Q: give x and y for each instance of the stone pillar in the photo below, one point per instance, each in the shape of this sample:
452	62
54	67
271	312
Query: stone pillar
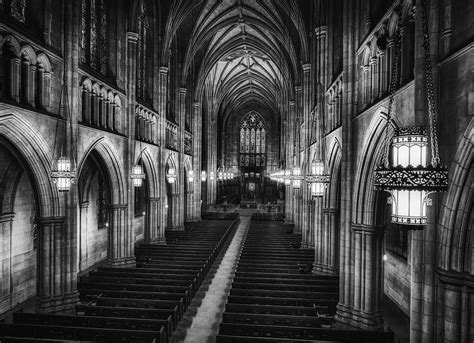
154	233
83	253
6	223
330	222
15	79
318	235
212	161
162	95
197	160
121	240
181	118
54	291
350	69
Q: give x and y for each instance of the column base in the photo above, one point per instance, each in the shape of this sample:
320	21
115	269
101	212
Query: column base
175	228
157	241
60	303
128	261
358	319
325	270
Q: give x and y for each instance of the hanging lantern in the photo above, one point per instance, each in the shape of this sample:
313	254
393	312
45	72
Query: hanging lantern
137	175
296	178
287	177
211	176
191	176
409	180
318	179
203	176
220	175
63	176
171	175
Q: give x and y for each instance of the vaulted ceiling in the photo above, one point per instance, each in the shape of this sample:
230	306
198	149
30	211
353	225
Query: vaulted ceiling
240	52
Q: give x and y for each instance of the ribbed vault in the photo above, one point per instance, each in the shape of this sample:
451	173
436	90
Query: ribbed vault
240	52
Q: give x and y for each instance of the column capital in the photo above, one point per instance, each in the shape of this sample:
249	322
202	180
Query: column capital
7	217
183	90
52	220
117	206
163	70
197	105
320	31
306	67
132	37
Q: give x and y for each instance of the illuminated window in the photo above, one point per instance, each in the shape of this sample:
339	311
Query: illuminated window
252	141
144	45
94	38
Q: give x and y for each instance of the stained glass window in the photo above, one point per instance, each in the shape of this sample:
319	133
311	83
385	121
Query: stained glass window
17	9
143	47
94	37
252	141
102	198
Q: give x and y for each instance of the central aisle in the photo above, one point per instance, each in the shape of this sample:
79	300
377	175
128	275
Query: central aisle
205	323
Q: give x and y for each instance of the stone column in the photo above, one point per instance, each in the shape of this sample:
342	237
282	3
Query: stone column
181	118
121	241
212	161
197	160
54	291
83	253
350	69
154	234
330	243
15	79
318	235
162	95
6	223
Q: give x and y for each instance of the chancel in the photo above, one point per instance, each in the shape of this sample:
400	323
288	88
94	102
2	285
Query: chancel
236	171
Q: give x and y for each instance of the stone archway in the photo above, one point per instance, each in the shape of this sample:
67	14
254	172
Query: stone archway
55	281
119	232
455	266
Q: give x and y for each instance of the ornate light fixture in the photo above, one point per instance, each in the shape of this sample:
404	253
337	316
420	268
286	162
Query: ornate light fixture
296	177
287	177
318	179
137	175
203	176
64	174
191	175
211	176
409	179
171	175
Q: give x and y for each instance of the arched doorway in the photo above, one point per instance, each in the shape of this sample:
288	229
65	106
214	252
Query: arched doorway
94	199
19	229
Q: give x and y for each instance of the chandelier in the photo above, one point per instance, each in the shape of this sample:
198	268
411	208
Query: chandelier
64	174
318	179
171	175
137	175
409	179
191	175
203	176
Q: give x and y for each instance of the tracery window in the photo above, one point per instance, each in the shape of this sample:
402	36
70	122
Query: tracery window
16	8
252	141
144	45
102	199
94	38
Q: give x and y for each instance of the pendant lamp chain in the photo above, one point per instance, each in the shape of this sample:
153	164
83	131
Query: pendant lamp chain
430	94
393	87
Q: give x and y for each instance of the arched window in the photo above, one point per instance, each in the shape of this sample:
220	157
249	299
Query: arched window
15	8
94	39
252	141
102	202
144	46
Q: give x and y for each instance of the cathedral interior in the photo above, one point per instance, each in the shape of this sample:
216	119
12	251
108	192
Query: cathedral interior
237	171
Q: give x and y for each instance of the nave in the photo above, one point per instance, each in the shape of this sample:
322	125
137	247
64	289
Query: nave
260	290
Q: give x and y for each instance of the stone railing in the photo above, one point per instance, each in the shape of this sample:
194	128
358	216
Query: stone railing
172	136
146	122
188	143
334	105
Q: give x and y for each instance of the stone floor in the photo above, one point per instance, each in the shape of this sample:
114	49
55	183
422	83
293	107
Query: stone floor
201	321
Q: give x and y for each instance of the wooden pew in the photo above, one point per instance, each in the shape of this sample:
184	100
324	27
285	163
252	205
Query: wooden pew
98	322
305	333
81	333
